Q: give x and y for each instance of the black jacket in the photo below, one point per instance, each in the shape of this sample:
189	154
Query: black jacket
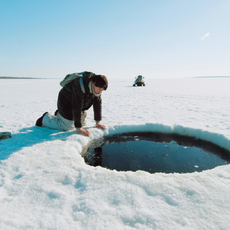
72	101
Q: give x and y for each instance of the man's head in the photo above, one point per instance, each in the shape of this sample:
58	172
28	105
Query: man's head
100	81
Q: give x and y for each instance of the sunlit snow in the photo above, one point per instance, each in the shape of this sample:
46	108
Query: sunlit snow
45	183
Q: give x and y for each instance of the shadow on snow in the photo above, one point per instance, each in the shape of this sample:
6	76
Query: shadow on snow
29	137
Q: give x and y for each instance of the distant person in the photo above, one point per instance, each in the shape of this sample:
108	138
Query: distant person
80	91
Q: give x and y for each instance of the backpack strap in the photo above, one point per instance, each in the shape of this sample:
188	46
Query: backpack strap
82	84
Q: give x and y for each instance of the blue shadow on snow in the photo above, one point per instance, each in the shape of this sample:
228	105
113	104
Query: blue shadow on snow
29	137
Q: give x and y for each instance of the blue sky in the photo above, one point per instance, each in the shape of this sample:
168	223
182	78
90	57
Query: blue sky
118	38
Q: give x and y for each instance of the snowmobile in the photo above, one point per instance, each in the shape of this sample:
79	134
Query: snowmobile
139	81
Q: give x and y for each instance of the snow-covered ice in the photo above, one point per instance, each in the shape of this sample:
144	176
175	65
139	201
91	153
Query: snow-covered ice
45	183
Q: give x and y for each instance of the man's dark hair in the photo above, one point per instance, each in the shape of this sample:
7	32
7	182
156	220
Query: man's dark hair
101	81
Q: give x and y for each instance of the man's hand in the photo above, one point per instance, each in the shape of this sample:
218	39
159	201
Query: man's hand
99	125
84	132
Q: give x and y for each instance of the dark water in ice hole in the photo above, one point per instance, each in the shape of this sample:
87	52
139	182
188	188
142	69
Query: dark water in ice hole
155	152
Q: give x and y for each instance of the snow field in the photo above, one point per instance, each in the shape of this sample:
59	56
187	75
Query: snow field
45	183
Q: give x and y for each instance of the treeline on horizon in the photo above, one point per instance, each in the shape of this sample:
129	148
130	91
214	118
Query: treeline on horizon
20	78
212	77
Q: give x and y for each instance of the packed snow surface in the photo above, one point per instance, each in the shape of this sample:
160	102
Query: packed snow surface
45	183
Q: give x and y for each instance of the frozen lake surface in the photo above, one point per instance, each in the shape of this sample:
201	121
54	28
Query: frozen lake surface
46	184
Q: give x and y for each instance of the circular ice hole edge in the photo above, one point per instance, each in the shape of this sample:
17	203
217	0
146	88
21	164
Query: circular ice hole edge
155	152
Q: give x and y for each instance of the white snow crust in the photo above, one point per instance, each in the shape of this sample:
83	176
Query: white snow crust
45	183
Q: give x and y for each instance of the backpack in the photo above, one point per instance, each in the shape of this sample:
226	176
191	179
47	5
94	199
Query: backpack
70	77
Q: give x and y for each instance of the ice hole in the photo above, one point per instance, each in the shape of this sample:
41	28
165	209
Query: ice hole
155	152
